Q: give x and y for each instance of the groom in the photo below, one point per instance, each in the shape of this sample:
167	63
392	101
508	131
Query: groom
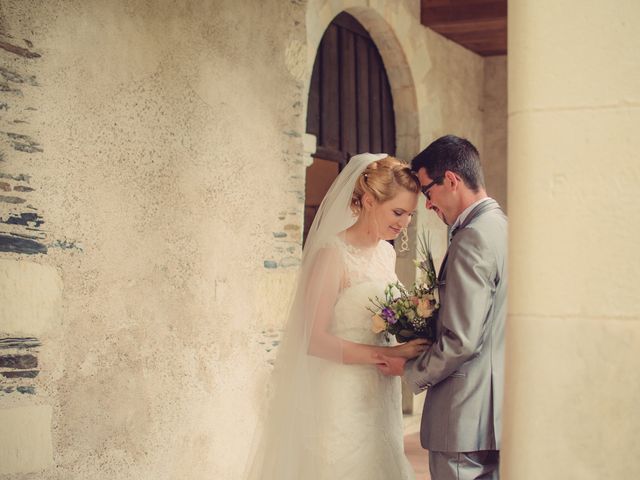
463	371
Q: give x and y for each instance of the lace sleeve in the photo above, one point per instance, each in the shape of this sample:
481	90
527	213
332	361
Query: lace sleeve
332	257
325	283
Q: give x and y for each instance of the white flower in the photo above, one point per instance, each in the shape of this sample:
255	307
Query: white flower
395	292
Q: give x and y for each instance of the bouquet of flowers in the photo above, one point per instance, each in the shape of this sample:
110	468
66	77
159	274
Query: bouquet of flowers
410	313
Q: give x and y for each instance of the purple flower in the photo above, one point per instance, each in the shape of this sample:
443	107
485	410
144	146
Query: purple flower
389	315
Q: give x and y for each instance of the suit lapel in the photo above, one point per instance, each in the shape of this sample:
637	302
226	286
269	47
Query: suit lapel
480	209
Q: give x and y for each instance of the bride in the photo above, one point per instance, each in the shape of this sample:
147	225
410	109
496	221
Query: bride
331	414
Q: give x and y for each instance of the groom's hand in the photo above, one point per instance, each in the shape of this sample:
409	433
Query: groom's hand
390	366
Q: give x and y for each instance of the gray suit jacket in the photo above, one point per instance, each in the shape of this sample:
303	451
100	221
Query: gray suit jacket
464	370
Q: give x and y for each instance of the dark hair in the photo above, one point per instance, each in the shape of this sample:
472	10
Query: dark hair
455	154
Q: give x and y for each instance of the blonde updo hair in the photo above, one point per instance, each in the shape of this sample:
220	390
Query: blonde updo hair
383	180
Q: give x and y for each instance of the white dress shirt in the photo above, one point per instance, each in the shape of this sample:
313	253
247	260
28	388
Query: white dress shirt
465	213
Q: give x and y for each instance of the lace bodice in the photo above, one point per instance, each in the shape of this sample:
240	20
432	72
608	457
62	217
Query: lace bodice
376	264
362	409
365	274
330	419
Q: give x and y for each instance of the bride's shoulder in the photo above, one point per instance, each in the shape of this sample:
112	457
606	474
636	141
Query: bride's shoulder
331	246
331	249
387	249
327	255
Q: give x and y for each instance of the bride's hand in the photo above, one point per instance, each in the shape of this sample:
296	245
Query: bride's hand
411	349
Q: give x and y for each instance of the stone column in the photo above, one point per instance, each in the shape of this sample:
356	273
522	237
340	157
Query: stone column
573	338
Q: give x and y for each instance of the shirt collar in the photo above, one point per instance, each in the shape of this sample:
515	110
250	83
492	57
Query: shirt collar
465	213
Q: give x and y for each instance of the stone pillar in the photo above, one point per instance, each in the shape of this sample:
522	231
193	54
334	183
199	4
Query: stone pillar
573	337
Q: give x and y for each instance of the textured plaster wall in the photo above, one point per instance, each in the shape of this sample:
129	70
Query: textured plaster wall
574	308
170	169
494	155
166	173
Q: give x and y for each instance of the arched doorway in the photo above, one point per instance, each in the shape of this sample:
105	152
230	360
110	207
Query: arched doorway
350	106
396	45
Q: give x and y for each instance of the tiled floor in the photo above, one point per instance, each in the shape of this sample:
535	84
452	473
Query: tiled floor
418	456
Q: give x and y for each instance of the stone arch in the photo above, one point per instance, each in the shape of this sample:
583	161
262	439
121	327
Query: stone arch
320	15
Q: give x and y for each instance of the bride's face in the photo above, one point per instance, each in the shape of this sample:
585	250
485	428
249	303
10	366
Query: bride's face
392	216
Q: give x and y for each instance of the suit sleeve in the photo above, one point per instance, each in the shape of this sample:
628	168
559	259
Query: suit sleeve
470	273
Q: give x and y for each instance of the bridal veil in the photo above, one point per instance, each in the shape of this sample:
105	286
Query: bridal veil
295	414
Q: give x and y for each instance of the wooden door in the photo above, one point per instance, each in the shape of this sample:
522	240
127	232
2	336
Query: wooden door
350	107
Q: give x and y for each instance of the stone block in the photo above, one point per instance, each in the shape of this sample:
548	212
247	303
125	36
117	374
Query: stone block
25	439
30	297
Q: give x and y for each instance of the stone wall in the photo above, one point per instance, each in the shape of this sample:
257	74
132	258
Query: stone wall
494	156
152	193
151	211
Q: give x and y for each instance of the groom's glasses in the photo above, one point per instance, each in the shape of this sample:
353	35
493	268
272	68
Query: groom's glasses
425	188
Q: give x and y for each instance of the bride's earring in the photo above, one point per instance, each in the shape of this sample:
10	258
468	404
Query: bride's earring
368	221
366	212
404	241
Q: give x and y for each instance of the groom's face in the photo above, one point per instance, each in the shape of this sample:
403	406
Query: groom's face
436	195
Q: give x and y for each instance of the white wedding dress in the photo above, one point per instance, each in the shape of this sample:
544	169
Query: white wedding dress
362	438
327	420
